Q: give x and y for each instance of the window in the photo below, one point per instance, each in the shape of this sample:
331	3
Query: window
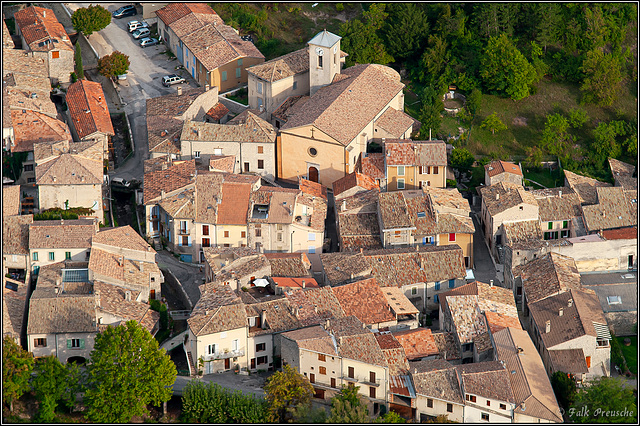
224	76
226	234
75	343
414	290
614	300
322	370
429	403
319	61
565	224
312	250
488	403
40	342
372	392
196	154
52	256
471	398
485	416
67	255
400	183
435	299
238	72
240	62
452	283
322	357
211	349
312	236
503	406
262	360
258	232
550	225
260	149
400	170
35	256
435	170
279	236
206	242
183	226
564	233
55	54
313	152
185	241
372	376
260	88
243	234
426	170
246	167
452	236
333	382
260	164
449	408
295	85
28	167
205	229
588	360
234	345
350	373
437	285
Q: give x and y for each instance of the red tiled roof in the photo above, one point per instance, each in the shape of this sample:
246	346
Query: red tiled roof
218	111
373	165
88	108
312	188
38	24
399	153
365	300
417	343
498	321
352	180
295	282
174	11
497	166
32	126
176	176
621	233
235	204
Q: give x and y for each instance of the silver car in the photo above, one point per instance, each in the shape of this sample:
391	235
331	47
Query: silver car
148	42
168	80
134	25
141	33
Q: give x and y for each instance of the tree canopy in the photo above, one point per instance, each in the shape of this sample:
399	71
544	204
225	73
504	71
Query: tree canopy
461	157
604	400
362	39
493	123
348	407
117	63
17	365
603	77
88	20
54	383
127	363
285	391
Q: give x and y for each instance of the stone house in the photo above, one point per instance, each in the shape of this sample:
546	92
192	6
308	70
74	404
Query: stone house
357	219
584	186
534	397
418	344
89	114
414	164
614	208
502	171
372	165
624	175
212	52
352	184
248	138
325	133
242	272
167	114
15	246
51	241
14	308
45	37
438	390
488	396
559	213
216	258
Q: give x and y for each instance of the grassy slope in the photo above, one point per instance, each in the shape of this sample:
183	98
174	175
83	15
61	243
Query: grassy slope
630	352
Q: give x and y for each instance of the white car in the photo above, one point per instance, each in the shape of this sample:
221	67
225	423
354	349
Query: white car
148	42
134	25
141	33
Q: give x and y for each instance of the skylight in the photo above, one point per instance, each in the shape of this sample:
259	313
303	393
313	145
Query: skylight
614	300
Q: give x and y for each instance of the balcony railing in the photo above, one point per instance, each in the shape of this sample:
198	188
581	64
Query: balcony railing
224	355
364	380
183	231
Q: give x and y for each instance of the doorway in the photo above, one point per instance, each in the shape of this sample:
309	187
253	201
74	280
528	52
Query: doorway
227	364
313	174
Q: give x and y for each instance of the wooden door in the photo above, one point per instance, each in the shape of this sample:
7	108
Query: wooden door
227	364
253	363
313	174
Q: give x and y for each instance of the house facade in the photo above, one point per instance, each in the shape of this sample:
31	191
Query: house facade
502	171
414	164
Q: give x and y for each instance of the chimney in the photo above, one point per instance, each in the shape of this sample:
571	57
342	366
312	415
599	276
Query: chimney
179	90
361	250
199	134
148	248
263	319
352	275
44	13
497	197
120	261
206	87
97	296
422	263
415	371
560	193
520	350
327	324
58	281
344	205
162	194
560	312
56	289
127	295
61	221
53	178
490	283
429	134
304	284
570	303
548	326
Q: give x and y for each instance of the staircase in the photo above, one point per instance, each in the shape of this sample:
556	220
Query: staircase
192	365
157	245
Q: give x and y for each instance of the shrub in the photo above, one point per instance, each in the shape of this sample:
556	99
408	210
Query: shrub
90	19
74	77
117	63
339	7
78	59
451	183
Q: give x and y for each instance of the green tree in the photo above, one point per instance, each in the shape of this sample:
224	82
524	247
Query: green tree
405	30
493	123
50	385
348	407
505	70
604	400
432	107
556	139
462	158
17	365
564	386
117	63
474	100
434	64
78	59
577	117
127	372
88	20
391	417
605	142
285	391
603	77
361	39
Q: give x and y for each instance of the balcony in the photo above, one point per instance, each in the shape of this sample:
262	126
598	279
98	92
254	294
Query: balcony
224	355
364	380
183	231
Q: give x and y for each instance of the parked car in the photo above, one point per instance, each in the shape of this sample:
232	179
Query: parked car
168	80
120	184
134	25
124	11
141	33
148	42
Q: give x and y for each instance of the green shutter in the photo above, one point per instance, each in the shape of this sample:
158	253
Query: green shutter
565	224
68	343
81	343
550	225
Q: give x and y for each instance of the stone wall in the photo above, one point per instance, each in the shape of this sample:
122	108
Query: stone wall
621	323
175	284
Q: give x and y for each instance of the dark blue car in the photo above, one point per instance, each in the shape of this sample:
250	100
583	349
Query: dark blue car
128	10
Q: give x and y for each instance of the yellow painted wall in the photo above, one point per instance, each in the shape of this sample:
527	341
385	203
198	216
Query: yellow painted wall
235	238
409	178
465	241
230	68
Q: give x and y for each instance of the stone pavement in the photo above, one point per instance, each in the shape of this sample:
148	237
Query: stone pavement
188	274
484	267
249	385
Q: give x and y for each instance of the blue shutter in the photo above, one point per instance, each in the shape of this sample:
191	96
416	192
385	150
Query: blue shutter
437	285
68	343
435	298
452	283
81	343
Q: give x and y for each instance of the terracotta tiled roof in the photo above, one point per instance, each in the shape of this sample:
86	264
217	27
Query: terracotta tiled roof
218	111
218	309
396	360
88	108
395	122
23	99
353	180
548	275
70	169
23	79
38	24
91	149
279	316
222	163
570	361
417	343
498	321
315	305
488	379
436	379
121	268
15	233
280	201
621	234
529	382
372	165
244	267
497	166
623	174
343	108
399	152
364	299
14	304
313	189
253	129
55	315
312	338
19	61
113	302
235	204
362	202
175	11
431	153
176	176
295	282
614	209
208	193
122	237
61	234
584	186
398	302
286	108
289	264
393	211
508	195
515	232
7	41
561	207
180	205
283	66
356	242
446	346
365	224
577	320
360	347
10	200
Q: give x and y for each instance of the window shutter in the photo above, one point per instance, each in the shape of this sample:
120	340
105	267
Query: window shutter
189	240
68	343
81	343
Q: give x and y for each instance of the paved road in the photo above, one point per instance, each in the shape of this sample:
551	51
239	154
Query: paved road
483	267
188	274
147	68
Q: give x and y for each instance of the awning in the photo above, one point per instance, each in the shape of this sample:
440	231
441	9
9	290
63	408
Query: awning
470	275
260	282
602	331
